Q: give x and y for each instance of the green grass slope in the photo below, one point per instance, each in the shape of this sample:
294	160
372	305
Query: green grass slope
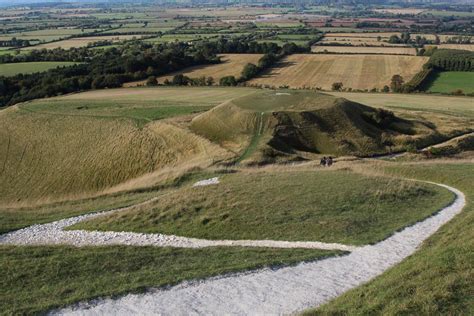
296	122
36	279
436	280
329	206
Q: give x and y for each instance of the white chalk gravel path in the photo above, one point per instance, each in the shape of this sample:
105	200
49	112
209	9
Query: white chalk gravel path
266	291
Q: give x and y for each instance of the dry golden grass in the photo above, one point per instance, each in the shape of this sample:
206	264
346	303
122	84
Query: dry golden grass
53	157
83	41
232	65
365	50
354	71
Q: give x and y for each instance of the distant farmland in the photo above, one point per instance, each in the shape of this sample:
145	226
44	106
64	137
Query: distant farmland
232	65
354	71
364	50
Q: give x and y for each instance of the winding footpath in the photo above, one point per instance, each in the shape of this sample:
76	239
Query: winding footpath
266	291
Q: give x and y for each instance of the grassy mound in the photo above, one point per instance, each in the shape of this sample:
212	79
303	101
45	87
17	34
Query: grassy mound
289	123
330	206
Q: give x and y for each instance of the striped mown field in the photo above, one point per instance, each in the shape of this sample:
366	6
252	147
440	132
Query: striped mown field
354	71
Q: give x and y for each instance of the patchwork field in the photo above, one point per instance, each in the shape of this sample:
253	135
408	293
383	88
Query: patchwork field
231	65
31	67
449	81
364	50
354	71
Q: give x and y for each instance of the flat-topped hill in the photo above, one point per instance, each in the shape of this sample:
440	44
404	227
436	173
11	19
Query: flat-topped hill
272	125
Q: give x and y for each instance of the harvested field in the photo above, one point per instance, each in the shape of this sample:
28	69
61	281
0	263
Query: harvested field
232	65
83	41
457	106
354	71
364	50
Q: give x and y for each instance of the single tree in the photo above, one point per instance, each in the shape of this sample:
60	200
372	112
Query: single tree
228	81
249	71
337	86
209	81
397	83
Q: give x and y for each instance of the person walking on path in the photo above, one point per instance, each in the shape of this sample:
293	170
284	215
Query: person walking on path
322	162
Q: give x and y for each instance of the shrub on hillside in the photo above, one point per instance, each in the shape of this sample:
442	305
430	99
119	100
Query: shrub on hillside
228	81
337	86
151	81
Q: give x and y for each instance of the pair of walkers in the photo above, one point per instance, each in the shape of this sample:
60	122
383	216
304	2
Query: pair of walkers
326	161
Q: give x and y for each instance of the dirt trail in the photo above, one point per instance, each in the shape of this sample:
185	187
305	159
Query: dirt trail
54	234
267	291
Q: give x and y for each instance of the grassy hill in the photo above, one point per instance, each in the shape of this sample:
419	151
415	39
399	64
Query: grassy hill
86	144
289	124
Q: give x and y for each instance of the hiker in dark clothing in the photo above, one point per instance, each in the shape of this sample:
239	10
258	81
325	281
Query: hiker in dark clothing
329	161
322	162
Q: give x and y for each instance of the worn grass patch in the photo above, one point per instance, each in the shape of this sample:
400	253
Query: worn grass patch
36	279
329	206
436	280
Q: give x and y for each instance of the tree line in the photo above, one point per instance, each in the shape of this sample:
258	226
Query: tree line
107	69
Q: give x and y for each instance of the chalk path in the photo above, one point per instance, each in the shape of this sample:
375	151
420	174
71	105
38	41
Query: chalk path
266	291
